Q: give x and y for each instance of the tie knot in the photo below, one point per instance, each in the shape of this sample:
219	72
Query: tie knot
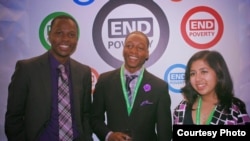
63	74
61	68
129	78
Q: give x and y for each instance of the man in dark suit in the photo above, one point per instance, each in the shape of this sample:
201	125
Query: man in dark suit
32	107
147	116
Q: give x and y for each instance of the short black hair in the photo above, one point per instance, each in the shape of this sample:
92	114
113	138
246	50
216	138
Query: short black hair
64	17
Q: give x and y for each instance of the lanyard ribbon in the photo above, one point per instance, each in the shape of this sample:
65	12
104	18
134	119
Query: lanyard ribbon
138	83
198	113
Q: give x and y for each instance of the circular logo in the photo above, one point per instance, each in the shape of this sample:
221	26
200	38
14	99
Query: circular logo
94	75
79	2
45	27
202	24
110	6
175	77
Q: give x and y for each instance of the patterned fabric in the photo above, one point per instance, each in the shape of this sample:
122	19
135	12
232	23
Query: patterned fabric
65	120
236	116
130	86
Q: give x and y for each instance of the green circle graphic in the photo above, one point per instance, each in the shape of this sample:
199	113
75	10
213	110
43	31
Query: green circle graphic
42	27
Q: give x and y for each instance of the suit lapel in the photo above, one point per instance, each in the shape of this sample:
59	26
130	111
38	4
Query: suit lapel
120	94
140	94
75	75
44	72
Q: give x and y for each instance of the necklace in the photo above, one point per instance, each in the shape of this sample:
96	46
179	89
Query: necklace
198	113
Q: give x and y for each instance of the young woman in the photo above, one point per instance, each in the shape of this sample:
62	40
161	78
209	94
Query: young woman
208	93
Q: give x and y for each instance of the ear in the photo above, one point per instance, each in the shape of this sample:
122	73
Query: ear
147	58
48	39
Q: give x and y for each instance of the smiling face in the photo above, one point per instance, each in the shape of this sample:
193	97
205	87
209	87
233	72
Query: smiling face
63	38
203	78
135	51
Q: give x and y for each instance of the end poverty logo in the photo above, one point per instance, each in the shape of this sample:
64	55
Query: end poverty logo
202	27
113	22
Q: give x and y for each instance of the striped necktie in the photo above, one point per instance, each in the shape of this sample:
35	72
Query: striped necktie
64	109
129	78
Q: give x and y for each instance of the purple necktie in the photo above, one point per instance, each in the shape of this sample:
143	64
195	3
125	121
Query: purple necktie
128	80
65	120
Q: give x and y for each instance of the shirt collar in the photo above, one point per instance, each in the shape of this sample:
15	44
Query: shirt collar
126	72
55	63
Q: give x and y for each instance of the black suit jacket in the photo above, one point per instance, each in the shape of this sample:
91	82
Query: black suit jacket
29	99
150	108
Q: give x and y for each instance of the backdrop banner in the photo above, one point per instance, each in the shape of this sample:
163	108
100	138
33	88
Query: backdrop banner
176	29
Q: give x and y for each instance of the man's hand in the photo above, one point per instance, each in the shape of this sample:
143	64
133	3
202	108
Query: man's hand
119	136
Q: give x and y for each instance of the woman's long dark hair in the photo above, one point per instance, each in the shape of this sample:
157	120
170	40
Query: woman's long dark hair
224	87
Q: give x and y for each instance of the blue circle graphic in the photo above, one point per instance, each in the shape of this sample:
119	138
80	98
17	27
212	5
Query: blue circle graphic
83	3
167	75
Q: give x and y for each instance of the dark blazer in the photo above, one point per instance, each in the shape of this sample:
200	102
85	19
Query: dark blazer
29	99
151	109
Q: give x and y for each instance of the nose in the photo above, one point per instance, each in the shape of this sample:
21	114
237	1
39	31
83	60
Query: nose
65	37
198	76
133	49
